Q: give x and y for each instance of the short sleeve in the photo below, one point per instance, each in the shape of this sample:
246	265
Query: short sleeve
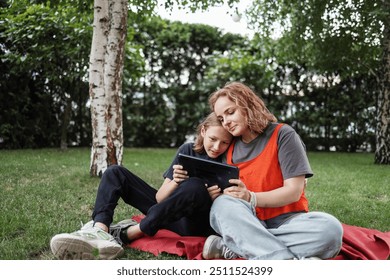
292	155
184	149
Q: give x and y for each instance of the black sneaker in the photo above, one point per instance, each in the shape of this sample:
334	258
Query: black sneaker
122	226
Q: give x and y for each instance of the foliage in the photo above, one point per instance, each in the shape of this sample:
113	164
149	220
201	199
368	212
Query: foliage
171	68
337	44
194	5
44	53
165	104
308	60
323	116
327	35
44	57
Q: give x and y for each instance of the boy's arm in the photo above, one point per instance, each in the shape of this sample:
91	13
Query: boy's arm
169	185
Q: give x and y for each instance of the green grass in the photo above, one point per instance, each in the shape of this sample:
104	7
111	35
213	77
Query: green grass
352	188
45	192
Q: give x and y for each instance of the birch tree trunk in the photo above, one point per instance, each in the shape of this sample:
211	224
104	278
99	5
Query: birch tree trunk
105	83
382	151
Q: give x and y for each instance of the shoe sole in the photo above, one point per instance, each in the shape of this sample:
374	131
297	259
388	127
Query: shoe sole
70	247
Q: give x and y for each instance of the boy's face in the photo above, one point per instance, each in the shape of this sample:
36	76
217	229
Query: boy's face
216	140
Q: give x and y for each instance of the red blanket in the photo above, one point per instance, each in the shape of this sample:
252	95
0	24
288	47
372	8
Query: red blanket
358	244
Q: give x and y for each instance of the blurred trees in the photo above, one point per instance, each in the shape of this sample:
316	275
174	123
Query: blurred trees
345	45
167	102
43	86
323	84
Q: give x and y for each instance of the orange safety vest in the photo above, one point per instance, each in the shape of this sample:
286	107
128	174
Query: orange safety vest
263	173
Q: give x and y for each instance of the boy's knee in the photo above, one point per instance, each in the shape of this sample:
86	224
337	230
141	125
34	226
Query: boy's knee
193	186
112	169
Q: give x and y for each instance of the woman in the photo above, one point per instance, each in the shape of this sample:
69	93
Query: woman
268	202
181	204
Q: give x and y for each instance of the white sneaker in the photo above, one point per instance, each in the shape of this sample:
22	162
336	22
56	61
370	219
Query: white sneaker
214	248
88	243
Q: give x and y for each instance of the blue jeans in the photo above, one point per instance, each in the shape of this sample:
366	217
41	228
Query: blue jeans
312	234
185	211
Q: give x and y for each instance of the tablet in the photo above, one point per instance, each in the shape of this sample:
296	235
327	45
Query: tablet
212	172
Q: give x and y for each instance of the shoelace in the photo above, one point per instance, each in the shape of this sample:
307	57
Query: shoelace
90	224
228	254
89	227
116	233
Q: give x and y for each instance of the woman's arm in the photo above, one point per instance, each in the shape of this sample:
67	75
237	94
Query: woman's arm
290	192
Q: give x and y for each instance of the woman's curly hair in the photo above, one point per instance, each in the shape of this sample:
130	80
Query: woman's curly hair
252	106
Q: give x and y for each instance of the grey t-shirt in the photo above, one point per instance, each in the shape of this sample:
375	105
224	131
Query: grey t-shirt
292	151
292	158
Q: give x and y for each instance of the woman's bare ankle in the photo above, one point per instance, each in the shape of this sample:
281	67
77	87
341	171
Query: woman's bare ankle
134	232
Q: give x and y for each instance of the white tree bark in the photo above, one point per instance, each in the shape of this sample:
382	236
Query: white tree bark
382	151
105	83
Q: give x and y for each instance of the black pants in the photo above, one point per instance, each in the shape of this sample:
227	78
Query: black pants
185	211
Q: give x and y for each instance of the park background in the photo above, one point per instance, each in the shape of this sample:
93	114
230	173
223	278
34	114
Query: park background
324	75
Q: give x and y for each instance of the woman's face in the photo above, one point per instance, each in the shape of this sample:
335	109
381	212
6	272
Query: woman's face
231	117
216	140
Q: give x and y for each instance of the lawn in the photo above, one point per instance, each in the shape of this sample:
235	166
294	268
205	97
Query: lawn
45	192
